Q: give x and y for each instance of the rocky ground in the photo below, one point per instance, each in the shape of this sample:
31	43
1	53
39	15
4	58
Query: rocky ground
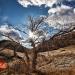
57	62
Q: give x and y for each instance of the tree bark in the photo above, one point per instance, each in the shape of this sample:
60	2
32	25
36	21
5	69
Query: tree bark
34	62
34	57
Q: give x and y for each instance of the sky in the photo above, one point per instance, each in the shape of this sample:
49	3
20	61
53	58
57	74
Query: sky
16	12
12	11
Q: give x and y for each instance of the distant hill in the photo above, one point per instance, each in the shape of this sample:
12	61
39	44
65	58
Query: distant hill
56	56
12	45
48	45
58	42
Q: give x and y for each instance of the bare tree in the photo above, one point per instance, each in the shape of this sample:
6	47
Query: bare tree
37	34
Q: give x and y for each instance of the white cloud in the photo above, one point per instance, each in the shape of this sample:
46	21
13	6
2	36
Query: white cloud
12	33
48	3
61	22
74	10
60	10
70	0
59	16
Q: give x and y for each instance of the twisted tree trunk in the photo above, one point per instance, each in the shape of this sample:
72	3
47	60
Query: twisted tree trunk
34	57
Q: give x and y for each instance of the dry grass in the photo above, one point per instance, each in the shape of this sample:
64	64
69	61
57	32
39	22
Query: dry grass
58	62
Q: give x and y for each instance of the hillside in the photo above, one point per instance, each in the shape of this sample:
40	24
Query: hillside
58	42
12	45
56	57
58	62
